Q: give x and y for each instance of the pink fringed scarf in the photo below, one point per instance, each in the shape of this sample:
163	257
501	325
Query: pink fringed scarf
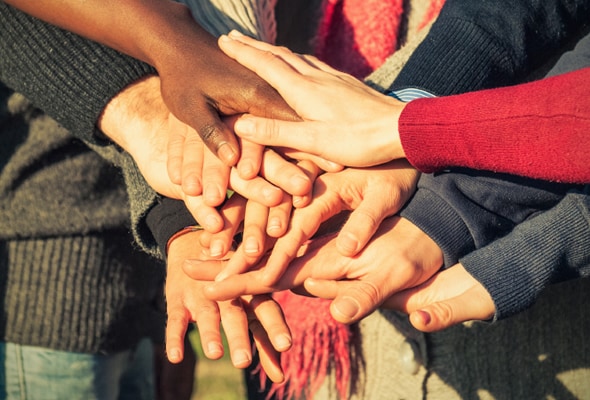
355	36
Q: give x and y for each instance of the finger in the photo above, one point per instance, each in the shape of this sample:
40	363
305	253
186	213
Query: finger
207	317
215	180
232	213
250	159
203	270
270	360
235	326
266	60
192	164
206	216
352	300
175	152
363	222
256	189
176	326
312	171
304	224
321	163
253	242
278	218
284	174
271	317
216	135
255	222
444	314
273	133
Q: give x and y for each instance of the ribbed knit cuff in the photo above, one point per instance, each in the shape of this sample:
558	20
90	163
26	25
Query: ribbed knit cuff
435	216
549	248
70	78
167	218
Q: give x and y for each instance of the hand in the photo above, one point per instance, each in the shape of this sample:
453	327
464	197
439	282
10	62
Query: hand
138	120
199	83
373	193
450	297
186	303
399	256
344	120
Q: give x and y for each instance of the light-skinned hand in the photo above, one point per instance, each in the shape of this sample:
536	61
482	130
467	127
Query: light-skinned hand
448	298
200	84
372	194
344	120
138	120
186	303
398	257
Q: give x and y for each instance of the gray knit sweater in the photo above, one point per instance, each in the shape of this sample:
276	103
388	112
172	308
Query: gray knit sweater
72	278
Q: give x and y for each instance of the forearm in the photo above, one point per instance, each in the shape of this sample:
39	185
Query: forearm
149	30
68	77
550	248
538	130
463	211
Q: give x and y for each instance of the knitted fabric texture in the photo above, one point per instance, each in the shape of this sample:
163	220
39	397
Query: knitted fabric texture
255	18
356	36
347	40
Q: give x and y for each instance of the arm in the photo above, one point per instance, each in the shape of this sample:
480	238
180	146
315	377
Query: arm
537	130
550	248
198	81
479	45
508	275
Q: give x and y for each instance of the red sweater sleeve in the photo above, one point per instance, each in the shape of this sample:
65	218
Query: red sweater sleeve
539	130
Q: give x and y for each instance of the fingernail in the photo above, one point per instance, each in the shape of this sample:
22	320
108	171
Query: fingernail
245	127
347	307
425	316
225	38
214	350
348	242
227	154
211	222
216	249
240	358
251	245
235	33
283	342
274	224
174	355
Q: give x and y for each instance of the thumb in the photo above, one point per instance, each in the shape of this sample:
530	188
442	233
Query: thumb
353	300
217	136
471	305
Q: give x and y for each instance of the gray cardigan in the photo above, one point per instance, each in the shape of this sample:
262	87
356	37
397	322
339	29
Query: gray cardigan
72	278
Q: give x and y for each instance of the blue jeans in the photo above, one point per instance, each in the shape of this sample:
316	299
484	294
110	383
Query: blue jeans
36	373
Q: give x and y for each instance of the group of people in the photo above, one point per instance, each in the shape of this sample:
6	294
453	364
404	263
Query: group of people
450	185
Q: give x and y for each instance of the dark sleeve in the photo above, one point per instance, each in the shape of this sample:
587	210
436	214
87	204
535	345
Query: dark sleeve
166	218
465	210
65	75
549	248
489	43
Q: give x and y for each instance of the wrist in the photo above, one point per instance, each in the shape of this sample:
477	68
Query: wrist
127	109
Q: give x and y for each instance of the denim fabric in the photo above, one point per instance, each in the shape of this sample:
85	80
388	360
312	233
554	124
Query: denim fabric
36	373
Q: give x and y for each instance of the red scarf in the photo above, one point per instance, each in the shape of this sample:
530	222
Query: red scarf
354	36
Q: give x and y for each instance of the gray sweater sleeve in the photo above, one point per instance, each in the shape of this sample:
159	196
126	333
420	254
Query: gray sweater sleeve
549	248
72	79
68	77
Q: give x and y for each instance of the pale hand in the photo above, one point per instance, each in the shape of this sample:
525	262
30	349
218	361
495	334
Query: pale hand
344	121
